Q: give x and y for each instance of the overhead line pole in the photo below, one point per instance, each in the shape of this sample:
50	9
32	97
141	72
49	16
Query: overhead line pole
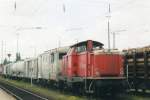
5	49
15	5
114	40
109	26
2	52
114	37
17	42
108	35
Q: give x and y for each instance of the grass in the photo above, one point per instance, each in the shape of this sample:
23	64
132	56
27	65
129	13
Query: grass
137	98
133	96
54	95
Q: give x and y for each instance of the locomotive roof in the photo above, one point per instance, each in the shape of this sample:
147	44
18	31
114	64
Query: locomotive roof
96	43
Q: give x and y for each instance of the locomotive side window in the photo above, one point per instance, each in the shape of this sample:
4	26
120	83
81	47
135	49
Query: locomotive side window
95	47
81	48
61	55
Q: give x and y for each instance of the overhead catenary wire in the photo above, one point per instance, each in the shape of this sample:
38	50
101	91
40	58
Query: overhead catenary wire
93	3
86	2
98	2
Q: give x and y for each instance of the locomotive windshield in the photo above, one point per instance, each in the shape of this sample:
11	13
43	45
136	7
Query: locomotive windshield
87	45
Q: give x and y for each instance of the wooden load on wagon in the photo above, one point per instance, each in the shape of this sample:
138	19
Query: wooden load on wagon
137	66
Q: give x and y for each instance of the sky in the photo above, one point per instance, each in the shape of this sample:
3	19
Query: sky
64	22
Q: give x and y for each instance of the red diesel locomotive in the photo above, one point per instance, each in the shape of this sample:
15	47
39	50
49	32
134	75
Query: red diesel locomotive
88	66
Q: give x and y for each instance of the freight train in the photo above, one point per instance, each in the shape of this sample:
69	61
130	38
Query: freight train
83	67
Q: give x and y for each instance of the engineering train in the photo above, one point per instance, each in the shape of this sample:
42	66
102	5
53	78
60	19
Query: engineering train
83	67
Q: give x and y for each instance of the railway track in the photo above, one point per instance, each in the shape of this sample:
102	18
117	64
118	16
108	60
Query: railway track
19	93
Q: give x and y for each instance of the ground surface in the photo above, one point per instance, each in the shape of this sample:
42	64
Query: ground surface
5	96
57	95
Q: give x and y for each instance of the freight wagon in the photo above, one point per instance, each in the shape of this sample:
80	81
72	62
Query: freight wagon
49	64
137	67
18	69
7	72
45	68
1	69
31	68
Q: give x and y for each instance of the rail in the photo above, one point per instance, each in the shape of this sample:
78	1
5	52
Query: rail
19	93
